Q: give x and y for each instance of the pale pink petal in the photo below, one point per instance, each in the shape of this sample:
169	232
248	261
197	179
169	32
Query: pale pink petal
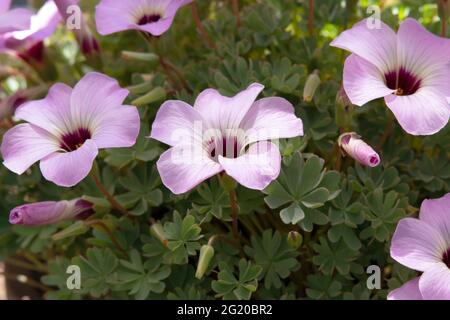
16	19
220	112
271	118
436	212
93	97
418	49
43	24
51	113
175	121
257	168
363	81
434	283
157	28
5	5
66	169
422	113
182	168
115	15
117	128
408	291
375	45
417	245
24	145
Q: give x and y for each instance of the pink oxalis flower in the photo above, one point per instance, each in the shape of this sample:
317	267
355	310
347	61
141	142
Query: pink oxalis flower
48	212
65	130
424	245
41	25
223	134
353	146
410	69
151	16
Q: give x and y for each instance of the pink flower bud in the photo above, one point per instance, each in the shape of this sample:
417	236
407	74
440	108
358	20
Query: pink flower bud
48	212
356	148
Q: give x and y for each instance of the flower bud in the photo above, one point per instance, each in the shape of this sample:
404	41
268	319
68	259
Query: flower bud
206	255
140	56
311	85
294	239
156	230
73	230
353	146
48	212
154	95
344	109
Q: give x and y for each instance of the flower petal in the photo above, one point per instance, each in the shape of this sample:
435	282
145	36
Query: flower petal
418	49
16	19
271	118
182	168
220	112
115	15
423	113
416	244
51	113
175	121
375	45
408	291
118	128
66	169
5	5
434	283
363	81
24	145
436	212
257	168
43	24
93	97
157	28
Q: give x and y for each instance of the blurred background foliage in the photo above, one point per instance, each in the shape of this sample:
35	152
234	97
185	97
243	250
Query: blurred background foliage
310	235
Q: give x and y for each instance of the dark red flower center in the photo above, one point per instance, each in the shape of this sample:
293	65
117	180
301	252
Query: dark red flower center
225	147
446	258
402	81
149	18
74	140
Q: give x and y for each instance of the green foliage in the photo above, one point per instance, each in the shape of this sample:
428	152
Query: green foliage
340	214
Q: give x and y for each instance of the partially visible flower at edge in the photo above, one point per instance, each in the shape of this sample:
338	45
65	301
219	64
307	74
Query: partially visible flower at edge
13	19
48	212
9	105
86	40
228	134
353	146
65	130
410	70
153	17
424	245
27	43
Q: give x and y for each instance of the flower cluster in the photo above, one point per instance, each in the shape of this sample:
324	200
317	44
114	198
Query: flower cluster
236	138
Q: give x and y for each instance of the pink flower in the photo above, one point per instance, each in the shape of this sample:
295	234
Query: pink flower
424	245
42	25
49	212
87	42
151	16
13	20
356	148
66	129
223	134
409	69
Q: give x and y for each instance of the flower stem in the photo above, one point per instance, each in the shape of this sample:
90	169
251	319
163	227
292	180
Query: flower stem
235	5
444	26
311	17
387	132
201	28
108	231
112	201
234	213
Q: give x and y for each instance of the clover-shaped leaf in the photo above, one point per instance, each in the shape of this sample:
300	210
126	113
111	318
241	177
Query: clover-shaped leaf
302	187
228	286
275	256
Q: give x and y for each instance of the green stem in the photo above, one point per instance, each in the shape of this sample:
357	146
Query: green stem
234	213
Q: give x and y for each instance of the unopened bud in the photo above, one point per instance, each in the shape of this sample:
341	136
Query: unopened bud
154	95
139	56
294	239
73	230
157	231
353	146
206	255
344	109
311	85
